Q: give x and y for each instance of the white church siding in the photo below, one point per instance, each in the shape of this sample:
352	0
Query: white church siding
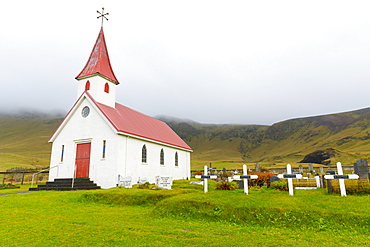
94	129
123	154
133	166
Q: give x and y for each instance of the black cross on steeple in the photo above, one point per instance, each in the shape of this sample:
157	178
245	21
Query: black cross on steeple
102	15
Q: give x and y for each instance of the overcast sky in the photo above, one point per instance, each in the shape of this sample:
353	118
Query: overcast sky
247	62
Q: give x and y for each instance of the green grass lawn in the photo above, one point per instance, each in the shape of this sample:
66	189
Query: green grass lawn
184	216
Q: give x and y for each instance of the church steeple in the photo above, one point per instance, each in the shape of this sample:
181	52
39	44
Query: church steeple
99	63
97	76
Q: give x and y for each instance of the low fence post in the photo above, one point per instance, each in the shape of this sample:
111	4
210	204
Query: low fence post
323	184
22	178
318	184
330	186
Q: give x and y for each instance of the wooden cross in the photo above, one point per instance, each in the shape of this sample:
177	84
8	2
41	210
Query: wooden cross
290	177
205	178
341	178
102	15
245	178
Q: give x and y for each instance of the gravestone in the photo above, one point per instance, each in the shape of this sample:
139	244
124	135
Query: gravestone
257	167
165	182
143	180
274	179
310	167
300	169
362	168
125	182
321	170
240	183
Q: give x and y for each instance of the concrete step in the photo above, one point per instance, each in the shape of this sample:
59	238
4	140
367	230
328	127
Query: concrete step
64	184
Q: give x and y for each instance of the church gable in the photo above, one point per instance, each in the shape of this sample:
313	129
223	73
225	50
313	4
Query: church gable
126	121
81	113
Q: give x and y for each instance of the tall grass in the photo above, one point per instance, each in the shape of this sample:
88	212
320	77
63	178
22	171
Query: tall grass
184	216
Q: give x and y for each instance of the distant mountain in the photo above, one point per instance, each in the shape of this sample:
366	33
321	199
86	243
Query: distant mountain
345	135
341	137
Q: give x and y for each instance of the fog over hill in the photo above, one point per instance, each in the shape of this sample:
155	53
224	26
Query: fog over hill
31	113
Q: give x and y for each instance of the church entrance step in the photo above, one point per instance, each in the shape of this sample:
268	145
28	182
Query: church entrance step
65	184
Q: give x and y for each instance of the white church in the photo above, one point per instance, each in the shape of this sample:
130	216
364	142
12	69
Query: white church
104	141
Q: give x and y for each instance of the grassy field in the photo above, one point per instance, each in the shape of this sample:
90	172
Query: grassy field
184	216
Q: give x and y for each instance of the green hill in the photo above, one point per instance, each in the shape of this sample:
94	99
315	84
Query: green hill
346	134
341	137
24	140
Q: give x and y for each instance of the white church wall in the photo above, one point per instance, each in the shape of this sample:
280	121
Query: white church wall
152	168
92	129
123	154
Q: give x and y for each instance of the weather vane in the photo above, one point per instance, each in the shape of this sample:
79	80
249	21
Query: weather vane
102	15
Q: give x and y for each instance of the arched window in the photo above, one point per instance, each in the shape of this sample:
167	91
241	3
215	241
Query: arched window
106	88
104	147
62	156
143	154
176	159
162	157
87	86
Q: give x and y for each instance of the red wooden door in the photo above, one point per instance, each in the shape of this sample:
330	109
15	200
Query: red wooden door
83	160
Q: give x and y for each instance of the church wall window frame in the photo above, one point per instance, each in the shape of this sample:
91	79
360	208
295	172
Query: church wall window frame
161	157
144	155
62	155
176	159
87	86
104	149
106	88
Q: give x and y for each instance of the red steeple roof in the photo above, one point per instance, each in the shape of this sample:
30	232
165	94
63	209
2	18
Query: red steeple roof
98	63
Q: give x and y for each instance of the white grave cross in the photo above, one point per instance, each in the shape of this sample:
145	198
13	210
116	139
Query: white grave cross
290	177
206	177
341	178
245	178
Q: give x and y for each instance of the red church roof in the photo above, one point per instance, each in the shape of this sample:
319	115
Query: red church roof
99	62
131	122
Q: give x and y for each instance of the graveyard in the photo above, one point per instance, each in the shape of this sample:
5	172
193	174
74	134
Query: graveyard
304	205
297	207
185	216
